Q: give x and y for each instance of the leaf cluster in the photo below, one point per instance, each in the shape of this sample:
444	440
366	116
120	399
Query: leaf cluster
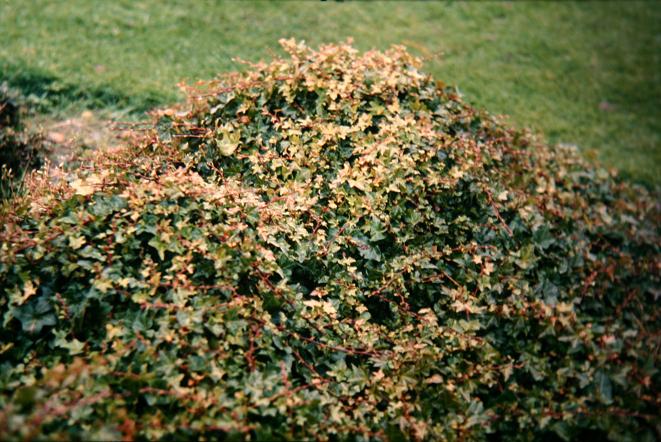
20	149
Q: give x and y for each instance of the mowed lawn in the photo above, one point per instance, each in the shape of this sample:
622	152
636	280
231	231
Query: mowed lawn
578	73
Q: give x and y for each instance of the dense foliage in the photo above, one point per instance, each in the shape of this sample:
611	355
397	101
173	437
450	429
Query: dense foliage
20	150
332	246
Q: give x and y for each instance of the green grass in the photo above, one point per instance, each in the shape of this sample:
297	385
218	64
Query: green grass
548	66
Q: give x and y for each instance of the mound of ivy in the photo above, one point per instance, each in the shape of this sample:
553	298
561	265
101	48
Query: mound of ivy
331	246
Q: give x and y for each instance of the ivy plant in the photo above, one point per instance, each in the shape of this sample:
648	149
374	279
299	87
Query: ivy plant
331	246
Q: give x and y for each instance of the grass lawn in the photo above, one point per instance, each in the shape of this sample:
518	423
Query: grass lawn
586	74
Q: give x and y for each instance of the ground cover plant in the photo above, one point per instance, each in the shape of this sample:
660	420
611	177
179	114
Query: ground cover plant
21	150
332	245
583	73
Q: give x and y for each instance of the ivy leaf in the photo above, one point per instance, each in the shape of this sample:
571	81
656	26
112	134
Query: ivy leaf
36	315
604	387
160	247
228	142
74	345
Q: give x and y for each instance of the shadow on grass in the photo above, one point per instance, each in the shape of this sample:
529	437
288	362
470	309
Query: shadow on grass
49	93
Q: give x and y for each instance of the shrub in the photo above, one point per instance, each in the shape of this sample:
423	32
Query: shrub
332	246
20	150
